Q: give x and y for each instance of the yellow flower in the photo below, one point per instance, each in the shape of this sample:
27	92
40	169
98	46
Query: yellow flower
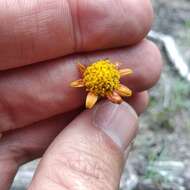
102	79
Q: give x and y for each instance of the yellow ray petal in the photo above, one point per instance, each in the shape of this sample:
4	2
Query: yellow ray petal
81	67
114	97
91	100
124	72
124	91
77	83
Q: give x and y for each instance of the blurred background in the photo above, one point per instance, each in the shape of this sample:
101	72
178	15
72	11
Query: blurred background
160	157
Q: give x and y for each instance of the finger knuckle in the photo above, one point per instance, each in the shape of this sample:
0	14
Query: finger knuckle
155	61
143	18
85	167
87	164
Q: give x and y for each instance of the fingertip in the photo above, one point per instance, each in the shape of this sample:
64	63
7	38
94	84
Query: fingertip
139	101
145	14
155	65
119	122
147	66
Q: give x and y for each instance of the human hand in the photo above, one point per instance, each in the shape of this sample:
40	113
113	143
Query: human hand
43	31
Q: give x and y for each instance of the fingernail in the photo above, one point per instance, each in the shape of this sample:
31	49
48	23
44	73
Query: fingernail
119	122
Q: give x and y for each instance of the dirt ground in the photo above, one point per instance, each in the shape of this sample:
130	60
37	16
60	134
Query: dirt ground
173	17
160	156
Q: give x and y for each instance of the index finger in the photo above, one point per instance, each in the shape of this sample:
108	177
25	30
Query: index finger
39	30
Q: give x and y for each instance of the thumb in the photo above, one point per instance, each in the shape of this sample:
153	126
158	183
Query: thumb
88	154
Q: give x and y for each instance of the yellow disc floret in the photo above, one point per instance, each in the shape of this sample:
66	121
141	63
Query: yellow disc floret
101	77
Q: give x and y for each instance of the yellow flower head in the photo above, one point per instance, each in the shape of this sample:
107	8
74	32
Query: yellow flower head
102	79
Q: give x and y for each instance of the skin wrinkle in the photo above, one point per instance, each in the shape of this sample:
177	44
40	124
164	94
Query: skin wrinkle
14	150
8	173
100	139
82	163
36	22
28	32
86	170
4	32
11	158
77	174
39	23
79	35
62	185
82	133
12	153
42	29
20	152
76	31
